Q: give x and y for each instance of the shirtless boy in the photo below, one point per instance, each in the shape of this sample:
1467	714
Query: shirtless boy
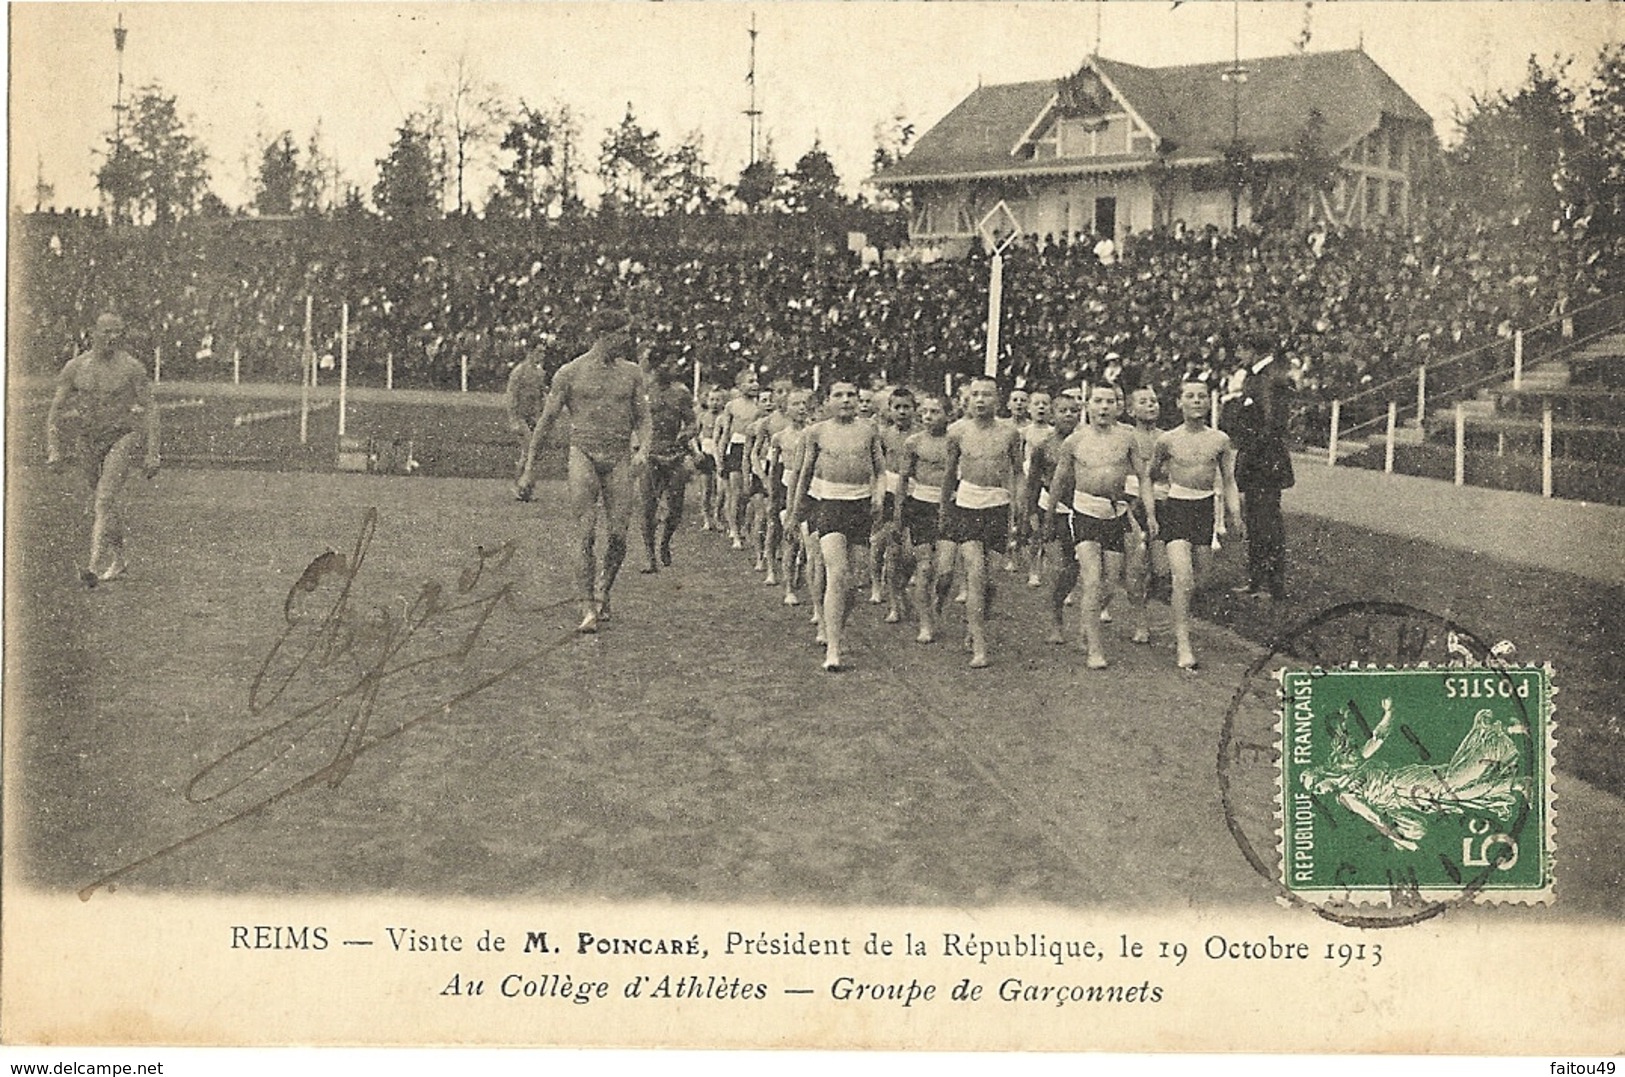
978	505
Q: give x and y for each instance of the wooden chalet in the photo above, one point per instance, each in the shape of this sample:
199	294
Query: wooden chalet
1116	149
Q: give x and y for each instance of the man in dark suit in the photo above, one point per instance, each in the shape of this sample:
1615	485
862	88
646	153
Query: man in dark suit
1256	421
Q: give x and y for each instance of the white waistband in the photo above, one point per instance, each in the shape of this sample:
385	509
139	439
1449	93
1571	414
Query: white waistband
737	439
1187	493
825	490
971	496
920	491
1045	500
1131	484
708	444
893	481
1101	508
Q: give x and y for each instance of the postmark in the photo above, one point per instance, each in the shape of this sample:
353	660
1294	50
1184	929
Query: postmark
1434	782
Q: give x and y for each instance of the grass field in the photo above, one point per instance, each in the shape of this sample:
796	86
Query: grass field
693	750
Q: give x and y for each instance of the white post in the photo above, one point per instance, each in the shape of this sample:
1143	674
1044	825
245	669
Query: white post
1213	398
1517	360
158	364
948	388
696	378
1422	396
817	367
1546	449
307	374
1388	446
463	360
236	366
1331	442
1461	445
389	370
995	303
344	363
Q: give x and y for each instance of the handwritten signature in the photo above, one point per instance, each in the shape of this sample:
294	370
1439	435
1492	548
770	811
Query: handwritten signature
324	676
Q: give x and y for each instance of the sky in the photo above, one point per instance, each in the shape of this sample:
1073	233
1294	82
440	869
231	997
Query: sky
828	71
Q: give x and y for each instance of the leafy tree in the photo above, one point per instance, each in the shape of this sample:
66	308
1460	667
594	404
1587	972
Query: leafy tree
278	177
1513	145
409	179
630	164
686	186
813	185
318	180
158	171
1593	180
760	184
893	138
539	174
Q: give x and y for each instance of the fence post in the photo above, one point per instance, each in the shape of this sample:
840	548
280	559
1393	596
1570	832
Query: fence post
1422	396
1388	448
463	367
1331	442
697	399
236	366
389	370
157	364
1461	445
1517	360
344	364
1546	448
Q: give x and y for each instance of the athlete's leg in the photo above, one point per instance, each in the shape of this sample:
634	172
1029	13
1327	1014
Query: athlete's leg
646	490
676	492
582	480
1137	577
107	531
1065	580
1184	573
1089	557
974	558
617	496
832	547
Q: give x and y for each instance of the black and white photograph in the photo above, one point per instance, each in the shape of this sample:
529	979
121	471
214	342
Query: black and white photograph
899	526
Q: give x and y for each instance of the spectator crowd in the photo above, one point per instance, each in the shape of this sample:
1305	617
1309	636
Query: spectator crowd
1349	309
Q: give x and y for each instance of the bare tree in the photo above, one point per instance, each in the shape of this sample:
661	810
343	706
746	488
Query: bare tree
473	117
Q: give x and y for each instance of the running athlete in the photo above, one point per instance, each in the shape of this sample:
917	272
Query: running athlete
671	432
527	393
762	524
605	395
1195	455
1044	456
1038	429
978	505
842	461
102	390
1092	464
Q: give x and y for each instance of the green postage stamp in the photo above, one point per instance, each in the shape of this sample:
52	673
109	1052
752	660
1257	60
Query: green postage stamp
1417	783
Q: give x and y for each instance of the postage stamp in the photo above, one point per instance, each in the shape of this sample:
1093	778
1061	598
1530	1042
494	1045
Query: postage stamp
1405	784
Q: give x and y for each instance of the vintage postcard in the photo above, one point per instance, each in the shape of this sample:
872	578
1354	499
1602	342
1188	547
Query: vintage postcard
964	527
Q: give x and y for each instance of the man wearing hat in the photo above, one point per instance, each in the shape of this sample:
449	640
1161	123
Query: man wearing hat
1257	421
605	394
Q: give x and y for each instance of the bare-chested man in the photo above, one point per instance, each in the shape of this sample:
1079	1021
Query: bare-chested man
920	467
527	393
842	462
102	390
1042	457
783	450
1038	429
709	460
768	422
888	563
1144	558
1093	463
978	503
607	399
737	415
1194	454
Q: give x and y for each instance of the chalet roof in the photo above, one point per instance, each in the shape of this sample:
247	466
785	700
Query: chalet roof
1189	106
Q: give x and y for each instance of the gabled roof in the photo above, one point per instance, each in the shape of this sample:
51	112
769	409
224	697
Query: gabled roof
1189	106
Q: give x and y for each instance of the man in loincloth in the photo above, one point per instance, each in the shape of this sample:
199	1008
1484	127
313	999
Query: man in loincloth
102	391
606	396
